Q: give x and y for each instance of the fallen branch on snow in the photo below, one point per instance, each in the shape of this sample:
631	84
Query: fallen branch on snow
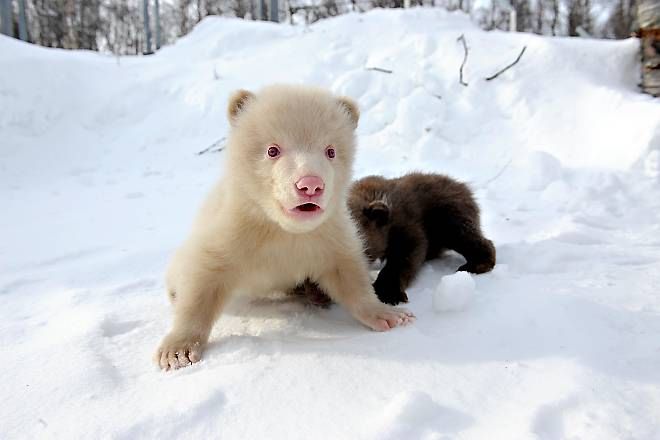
465	48
509	66
379	69
215	147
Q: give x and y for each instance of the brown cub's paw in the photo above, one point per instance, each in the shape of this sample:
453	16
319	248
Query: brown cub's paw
477	267
178	351
392	296
388	292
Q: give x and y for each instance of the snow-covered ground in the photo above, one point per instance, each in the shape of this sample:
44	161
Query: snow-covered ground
99	182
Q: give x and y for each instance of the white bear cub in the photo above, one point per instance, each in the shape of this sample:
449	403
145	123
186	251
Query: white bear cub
277	217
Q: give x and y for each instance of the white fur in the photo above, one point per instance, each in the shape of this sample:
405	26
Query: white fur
243	240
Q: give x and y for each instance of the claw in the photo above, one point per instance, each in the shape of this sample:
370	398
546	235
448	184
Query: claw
175	353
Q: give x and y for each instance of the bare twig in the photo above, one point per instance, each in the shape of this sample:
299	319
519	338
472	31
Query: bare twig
379	69
215	147
496	176
465	48
509	66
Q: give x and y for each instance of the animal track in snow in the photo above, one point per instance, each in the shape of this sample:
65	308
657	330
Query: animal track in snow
112	328
549	423
415	415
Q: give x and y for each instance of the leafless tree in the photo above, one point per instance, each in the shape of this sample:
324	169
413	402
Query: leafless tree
555	16
622	21
540	10
523	15
117	26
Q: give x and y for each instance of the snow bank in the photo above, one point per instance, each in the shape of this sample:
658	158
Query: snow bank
99	181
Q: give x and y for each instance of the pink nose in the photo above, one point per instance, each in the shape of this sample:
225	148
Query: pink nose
310	186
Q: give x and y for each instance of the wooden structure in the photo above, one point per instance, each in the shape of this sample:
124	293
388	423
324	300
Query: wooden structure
648	17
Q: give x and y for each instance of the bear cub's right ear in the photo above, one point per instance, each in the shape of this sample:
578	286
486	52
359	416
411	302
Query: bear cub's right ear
378	212
351	109
238	101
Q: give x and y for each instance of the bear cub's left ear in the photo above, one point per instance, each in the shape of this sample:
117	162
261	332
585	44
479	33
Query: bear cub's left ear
351	108
238	101
378	212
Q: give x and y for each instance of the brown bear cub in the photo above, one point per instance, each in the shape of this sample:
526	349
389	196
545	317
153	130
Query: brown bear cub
409	220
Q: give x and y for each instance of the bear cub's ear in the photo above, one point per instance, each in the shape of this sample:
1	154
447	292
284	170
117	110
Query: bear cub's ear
238	101
351	109
377	212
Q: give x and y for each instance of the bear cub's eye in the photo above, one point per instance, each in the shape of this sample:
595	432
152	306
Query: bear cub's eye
273	151
330	152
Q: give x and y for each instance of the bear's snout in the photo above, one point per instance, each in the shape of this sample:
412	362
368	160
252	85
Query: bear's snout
310	186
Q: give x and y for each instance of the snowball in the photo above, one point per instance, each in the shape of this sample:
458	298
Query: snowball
453	293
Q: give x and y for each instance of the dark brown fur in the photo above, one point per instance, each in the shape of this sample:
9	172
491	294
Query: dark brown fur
311	293
411	219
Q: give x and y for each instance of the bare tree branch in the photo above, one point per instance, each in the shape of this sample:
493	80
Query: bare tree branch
465	48
215	147
379	69
509	66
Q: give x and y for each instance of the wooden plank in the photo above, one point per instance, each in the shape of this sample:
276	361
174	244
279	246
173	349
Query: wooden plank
648	14
648	17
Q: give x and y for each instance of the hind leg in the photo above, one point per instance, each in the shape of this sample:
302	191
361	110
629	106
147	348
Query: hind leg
479	253
466	238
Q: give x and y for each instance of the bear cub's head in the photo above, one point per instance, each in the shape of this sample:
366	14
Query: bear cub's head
291	151
370	208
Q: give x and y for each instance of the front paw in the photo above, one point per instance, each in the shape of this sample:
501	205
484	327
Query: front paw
177	351
477	268
390	293
382	317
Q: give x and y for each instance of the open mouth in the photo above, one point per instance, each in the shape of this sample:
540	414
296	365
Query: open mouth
305	211
307	207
